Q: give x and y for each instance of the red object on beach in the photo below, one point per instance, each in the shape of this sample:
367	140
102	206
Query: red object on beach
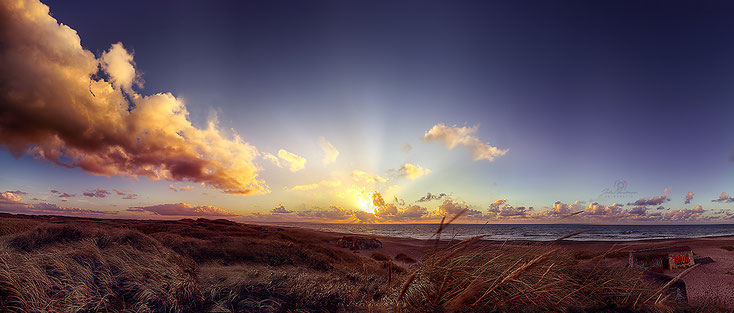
662	258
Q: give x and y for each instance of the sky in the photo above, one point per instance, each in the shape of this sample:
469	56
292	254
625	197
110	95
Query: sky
605	112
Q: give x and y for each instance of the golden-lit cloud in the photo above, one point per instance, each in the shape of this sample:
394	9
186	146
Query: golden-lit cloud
451	136
413	171
58	109
273	159
119	64
184	188
330	153
362	176
182	209
10	197
294	162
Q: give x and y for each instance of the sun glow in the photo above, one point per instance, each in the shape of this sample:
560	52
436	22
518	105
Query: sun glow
363	201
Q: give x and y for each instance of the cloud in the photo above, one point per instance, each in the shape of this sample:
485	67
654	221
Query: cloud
598	210
273	159
17	192
431	197
361	176
280	209
656	200
499	209
182	209
413	171
560	209
11	202
689	197
99	193
685	214
639	211
10	197
498	202
119	64
330	153
451	208
295	162
59	108
724	198
126	195
66	195
451	136
184	188
392	211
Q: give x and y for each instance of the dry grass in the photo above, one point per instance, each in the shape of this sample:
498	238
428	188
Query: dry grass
472	277
78	265
83	265
114	270
727	248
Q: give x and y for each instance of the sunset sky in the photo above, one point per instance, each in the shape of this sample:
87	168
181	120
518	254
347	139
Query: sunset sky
369	111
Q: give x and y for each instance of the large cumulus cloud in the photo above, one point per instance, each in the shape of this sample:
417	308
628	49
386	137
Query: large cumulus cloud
60	103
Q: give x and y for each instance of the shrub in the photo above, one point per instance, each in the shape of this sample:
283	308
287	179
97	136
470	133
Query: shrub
380	256
402	257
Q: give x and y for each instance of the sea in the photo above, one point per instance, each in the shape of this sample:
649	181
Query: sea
537	232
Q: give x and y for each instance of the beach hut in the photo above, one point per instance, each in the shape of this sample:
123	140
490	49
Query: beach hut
662	258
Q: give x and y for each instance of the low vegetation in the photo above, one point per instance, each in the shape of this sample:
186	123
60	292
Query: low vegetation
727	248
402	257
380	256
54	264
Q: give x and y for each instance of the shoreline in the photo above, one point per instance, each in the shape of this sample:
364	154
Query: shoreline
731	236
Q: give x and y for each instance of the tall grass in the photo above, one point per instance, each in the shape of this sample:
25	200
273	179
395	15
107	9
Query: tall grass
90	271
471	276
77	265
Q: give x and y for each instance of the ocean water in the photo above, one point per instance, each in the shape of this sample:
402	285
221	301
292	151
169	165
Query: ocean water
538	232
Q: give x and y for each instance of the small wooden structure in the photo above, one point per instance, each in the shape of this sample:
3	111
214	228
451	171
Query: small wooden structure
662	258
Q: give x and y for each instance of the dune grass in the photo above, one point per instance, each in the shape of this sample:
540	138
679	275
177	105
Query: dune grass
83	265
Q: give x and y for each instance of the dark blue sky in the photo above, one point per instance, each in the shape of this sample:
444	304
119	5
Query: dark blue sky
582	93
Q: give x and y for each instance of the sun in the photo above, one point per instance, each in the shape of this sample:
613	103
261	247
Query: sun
363	201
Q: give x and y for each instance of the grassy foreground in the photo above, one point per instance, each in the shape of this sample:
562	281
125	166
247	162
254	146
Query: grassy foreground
59	264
